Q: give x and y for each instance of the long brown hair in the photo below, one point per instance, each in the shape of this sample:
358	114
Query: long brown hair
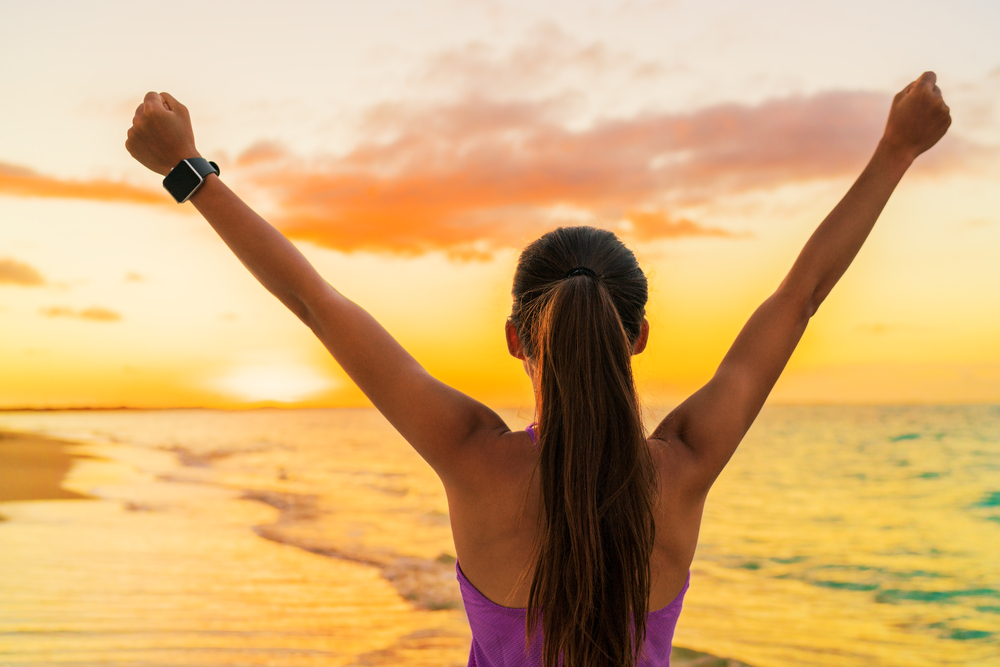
579	302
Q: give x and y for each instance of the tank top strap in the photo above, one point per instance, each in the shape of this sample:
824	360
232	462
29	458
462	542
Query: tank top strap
533	433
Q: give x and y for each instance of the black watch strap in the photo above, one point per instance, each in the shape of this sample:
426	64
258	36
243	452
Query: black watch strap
189	174
203	167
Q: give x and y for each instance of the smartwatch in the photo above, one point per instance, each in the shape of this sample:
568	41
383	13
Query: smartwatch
185	179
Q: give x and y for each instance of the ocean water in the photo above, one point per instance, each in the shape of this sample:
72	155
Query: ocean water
837	536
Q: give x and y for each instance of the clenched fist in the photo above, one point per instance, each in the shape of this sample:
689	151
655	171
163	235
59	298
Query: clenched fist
918	117
161	134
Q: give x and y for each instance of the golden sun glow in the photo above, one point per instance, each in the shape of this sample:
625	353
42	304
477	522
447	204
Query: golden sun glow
410	170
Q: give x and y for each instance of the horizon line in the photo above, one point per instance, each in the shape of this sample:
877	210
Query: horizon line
285	406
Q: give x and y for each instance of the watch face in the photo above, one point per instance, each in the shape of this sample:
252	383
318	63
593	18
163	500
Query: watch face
182	181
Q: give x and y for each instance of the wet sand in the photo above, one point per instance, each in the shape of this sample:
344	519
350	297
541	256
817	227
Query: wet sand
32	467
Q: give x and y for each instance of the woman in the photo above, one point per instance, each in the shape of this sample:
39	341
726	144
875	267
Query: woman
575	537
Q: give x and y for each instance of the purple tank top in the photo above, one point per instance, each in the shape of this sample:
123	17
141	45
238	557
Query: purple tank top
498	632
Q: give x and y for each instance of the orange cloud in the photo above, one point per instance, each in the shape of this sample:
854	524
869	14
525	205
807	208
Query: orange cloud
17	273
480	174
96	313
473	176
22	182
645	226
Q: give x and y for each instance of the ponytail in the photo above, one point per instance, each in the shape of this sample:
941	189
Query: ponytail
592	576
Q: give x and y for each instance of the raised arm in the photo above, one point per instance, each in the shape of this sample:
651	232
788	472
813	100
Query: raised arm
442	424
710	424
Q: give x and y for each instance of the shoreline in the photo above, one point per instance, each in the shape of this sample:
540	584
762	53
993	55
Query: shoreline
33	467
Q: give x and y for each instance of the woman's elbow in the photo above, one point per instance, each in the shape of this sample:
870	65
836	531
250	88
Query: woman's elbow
804	301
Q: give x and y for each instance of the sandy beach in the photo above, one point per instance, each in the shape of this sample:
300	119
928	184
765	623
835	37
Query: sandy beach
838	536
34	467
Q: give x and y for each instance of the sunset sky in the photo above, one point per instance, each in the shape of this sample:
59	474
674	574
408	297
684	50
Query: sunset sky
411	148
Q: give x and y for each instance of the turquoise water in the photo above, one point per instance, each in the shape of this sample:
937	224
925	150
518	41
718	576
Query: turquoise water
836	536
867	533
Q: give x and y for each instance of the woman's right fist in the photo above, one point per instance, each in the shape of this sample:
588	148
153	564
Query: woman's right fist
161	134
918	117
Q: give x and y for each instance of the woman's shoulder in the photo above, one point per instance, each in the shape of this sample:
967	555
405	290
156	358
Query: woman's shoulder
498	456
677	469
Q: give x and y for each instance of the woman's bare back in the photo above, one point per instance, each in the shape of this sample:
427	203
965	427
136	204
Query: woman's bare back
496	528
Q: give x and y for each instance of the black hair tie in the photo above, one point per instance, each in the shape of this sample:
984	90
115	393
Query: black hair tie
581	270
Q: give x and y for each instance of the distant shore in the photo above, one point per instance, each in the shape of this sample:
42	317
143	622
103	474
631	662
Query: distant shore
33	467
272	405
